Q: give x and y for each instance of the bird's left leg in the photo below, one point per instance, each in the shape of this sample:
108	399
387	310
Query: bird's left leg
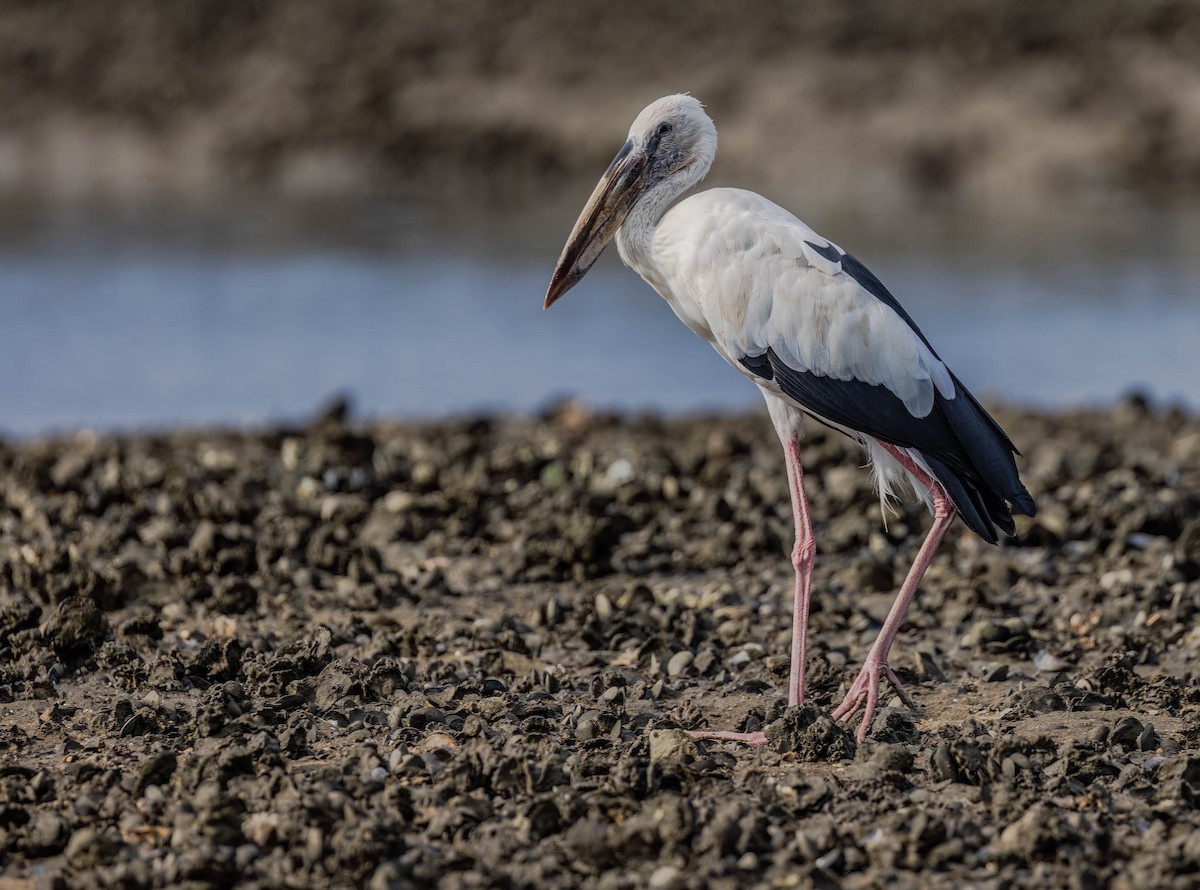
803	554
876	667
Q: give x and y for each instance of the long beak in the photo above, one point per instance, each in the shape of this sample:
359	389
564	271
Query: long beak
614	196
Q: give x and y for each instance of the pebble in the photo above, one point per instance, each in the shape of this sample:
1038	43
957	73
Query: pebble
830	861
604	607
1048	664
996	673
670	745
679	663
665	877
80	845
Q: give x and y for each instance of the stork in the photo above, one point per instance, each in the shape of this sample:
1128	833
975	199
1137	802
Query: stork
820	336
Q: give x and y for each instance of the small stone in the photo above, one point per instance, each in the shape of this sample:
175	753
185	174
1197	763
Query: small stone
619	472
46	833
261	827
397	502
1148	740
665	877
314	845
42	784
308	488
1127	732
289	453
747	653
1049	664
586	727
203	542
234	596
679	663
892	758
77	627
670	745
604	607
157	770
81	843
996	673
832	860
1036	829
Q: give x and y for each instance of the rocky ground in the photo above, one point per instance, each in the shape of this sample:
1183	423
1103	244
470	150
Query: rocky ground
463	653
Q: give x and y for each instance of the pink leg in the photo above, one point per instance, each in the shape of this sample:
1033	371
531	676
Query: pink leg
803	554
876	666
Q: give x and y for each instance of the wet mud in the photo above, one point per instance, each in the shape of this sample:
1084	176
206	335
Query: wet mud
466	654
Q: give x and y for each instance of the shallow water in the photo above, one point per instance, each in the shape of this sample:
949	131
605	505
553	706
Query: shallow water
120	317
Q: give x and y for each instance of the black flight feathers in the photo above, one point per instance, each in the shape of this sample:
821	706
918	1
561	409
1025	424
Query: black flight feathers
966	449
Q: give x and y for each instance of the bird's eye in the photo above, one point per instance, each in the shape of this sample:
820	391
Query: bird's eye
664	128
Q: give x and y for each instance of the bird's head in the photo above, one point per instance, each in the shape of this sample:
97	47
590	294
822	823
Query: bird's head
670	147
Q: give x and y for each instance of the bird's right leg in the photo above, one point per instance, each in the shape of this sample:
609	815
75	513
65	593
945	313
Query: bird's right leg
803	554
866	686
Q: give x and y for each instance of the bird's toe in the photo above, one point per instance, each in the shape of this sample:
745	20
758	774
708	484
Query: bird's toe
753	739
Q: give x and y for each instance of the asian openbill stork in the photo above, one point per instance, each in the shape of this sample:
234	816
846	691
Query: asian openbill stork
820	336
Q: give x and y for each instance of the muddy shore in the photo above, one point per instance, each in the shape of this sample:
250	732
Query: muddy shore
1004	105
394	655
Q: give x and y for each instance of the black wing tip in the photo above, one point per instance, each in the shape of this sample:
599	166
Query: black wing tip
988	533
1001	517
1024	502
984	526
974	507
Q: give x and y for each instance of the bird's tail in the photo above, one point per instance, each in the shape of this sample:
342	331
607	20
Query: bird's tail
988	490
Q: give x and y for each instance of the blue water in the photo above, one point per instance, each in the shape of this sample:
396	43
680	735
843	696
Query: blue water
152	317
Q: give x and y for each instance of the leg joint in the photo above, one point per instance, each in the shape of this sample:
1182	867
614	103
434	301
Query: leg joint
943	507
803	554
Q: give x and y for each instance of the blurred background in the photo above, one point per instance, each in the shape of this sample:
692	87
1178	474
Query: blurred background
224	211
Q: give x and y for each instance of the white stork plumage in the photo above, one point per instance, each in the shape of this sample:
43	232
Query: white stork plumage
819	335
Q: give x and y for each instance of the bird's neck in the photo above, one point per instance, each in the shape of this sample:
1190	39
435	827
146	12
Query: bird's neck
636	236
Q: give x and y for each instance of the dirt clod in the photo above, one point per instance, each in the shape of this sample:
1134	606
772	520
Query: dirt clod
810	734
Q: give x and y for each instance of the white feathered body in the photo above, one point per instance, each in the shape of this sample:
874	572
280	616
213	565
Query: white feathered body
742	273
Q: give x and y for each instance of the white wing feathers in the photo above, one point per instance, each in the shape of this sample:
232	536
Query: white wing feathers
739	270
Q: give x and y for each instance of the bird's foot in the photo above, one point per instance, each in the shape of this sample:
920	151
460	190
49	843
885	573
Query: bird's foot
753	739
866	686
